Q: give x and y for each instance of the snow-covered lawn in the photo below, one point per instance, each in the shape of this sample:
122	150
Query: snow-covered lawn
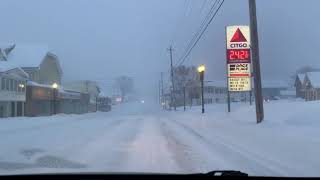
286	143
142	138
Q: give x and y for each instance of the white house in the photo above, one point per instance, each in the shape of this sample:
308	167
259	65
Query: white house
20	63
12	94
216	92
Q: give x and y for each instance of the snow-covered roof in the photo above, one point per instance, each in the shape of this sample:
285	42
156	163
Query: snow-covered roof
63	93
23	55
301	77
216	83
288	92
314	78
274	84
32	83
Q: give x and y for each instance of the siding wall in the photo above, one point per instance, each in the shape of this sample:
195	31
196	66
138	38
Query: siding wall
48	73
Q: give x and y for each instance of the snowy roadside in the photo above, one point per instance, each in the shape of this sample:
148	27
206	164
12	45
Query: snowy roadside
71	144
286	142
137	139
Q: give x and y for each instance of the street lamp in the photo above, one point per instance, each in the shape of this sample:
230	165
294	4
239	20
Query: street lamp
55	87
201	70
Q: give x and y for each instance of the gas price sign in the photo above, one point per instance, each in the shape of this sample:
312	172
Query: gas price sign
238	55
238	58
239	84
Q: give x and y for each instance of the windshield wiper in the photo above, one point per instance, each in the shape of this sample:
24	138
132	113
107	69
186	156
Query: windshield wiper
226	173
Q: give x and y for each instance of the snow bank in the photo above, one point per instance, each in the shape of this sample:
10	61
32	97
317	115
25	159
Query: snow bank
286	143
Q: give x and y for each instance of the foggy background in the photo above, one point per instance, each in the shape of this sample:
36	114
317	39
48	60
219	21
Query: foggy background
102	39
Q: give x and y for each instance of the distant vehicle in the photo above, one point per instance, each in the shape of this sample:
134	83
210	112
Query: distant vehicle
104	104
235	100
271	98
105	108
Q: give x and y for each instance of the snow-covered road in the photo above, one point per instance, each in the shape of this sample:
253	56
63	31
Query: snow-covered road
143	139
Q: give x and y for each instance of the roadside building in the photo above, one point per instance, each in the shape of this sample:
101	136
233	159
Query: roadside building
39	100
271	89
298	84
12	94
26	63
36	61
311	84
46	71
86	86
44	100
215	92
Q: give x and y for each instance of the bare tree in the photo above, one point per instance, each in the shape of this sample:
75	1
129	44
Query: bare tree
188	78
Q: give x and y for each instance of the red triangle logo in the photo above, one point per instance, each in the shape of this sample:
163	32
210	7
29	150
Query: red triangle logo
238	37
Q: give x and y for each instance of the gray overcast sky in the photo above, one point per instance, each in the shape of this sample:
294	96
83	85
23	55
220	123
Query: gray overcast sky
101	39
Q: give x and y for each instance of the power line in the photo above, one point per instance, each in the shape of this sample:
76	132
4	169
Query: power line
199	37
203	5
183	15
198	32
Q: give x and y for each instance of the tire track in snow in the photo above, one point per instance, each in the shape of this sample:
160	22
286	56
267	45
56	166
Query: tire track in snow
231	155
150	151
183	155
108	152
269	163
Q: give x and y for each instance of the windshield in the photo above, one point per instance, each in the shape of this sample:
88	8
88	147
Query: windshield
159	86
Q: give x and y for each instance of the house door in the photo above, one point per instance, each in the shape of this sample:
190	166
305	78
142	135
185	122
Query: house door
19	108
13	109
2	111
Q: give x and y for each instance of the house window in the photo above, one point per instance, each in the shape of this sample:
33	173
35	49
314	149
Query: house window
11	85
19	88
7	84
3	83
15	85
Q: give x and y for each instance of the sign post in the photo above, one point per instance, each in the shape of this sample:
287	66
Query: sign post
238	60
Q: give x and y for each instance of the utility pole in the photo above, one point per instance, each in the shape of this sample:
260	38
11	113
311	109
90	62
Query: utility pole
172	80
228	99
256	61
250	97
184	98
159	93
202	99
162	90
97	103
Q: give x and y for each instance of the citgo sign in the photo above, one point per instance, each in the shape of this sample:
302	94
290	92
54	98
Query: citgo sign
238	58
